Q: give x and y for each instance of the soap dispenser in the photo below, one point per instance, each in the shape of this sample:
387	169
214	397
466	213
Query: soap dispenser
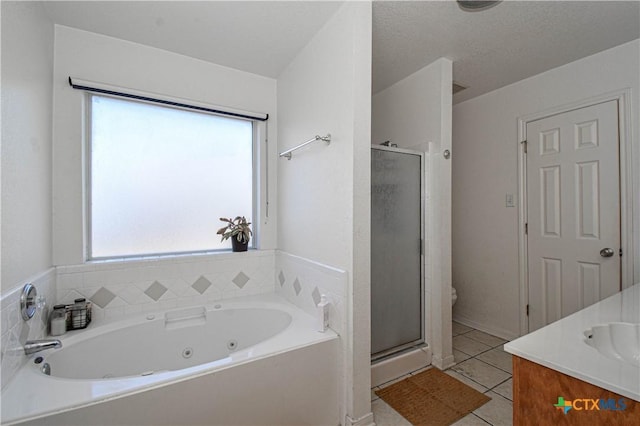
323	314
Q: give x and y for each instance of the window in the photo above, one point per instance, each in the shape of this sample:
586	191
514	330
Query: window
160	178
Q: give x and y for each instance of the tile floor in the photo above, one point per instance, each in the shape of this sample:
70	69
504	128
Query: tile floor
480	363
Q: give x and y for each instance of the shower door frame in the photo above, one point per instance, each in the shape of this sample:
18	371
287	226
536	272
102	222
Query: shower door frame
422	340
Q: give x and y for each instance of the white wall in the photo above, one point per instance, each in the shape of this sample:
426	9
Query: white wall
323	191
415	113
99	58
409	112
27	64
485	161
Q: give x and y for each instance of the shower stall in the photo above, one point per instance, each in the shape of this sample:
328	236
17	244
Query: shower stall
397	247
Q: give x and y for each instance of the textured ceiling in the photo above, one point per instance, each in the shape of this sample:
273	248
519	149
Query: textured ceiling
498	46
490	48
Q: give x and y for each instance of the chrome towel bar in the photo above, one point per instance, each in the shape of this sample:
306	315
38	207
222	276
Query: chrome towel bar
288	152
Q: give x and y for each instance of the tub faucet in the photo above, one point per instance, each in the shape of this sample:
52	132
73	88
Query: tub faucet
33	346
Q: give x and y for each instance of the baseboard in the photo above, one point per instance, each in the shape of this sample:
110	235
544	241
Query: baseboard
366	420
495	331
443	364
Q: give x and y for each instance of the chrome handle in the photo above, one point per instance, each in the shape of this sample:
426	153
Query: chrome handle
606	252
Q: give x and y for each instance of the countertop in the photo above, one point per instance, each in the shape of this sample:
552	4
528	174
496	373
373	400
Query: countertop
561	345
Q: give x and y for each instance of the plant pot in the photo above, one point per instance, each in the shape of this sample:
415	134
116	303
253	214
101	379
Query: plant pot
237	245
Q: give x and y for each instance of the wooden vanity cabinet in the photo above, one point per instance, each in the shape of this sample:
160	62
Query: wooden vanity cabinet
536	390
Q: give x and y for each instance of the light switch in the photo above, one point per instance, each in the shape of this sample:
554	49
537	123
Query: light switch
510	200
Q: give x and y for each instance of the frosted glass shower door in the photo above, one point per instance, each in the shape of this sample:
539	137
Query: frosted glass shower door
396	259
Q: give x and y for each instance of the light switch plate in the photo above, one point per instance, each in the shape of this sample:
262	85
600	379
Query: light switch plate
509	200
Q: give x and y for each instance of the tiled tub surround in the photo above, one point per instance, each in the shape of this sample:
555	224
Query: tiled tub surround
127	287
302	281
290	378
124	287
16	331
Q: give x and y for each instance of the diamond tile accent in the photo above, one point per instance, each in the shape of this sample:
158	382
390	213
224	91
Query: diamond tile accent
155	290
297	287
201	285
281	278
315	294
241	279
102	297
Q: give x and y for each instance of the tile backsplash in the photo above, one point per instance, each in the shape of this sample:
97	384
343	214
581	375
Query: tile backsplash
302	281
16	331
124	287
133	286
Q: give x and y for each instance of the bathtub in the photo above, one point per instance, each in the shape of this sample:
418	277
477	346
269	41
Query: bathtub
254	360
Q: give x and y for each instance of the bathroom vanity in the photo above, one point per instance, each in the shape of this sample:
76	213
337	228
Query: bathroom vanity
582	369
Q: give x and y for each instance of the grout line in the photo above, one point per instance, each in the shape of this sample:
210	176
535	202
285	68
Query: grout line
484	362
494	366
499	368
475	415
486	344
475	381
480	341
473	356
500	383
503	397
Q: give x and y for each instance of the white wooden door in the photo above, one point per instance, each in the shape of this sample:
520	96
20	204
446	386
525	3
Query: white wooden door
573	211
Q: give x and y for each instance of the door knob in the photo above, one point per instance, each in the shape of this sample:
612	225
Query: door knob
606	252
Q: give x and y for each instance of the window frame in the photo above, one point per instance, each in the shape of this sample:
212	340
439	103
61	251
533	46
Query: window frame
258	128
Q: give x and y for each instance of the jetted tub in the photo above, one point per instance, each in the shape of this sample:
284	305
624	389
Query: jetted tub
255	360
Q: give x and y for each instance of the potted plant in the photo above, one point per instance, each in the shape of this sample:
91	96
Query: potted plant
238	230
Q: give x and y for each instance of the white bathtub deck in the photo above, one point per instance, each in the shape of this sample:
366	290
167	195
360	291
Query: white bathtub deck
32	395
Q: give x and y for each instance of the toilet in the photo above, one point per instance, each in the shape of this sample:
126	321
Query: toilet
454	296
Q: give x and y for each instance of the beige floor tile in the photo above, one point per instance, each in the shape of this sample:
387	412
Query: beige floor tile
470	420
458	356
498	358
469	346
485	338
467	381
505	389
458	328
498	411
384	415
481	372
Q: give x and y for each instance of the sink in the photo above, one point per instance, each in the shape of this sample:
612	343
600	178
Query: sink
616	340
